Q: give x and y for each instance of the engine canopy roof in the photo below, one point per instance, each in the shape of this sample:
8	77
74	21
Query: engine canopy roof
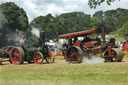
76	34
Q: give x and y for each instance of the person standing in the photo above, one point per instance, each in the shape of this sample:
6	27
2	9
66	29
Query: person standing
112	40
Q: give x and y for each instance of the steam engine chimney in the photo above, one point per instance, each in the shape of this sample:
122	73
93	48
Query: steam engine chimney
42	37
103	34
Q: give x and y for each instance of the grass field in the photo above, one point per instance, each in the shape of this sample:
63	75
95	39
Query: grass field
62	73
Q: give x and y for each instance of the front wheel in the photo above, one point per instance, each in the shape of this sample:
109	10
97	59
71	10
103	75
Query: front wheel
50	58
38	58
116	55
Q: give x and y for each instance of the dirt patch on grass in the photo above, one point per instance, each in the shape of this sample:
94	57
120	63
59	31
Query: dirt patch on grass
61	60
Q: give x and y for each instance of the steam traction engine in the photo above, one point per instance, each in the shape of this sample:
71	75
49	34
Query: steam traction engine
76	49
29	52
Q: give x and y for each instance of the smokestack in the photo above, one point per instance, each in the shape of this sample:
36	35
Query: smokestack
103	34
103	31
42	37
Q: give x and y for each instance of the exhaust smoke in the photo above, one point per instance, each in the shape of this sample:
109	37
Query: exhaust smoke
7	35
2	20
92	60
36	32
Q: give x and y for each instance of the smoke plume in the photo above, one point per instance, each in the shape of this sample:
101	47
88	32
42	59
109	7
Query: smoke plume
2	19
92	60
35	31
7	35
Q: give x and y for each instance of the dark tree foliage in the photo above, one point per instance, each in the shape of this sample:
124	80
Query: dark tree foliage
16	17
95	3
45	23
96	20
64	23
13	20
78	21
114	19
123	31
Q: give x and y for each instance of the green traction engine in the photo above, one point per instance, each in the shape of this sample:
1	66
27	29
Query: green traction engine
32	53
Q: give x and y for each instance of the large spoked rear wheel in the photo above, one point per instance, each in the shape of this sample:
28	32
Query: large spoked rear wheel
74	55
17	56
38	58
50	58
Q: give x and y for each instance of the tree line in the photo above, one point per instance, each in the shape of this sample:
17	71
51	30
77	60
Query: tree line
114	21
14	23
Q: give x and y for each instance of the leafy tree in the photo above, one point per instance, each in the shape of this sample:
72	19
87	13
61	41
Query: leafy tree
72	22
78	21
94	3
123	31
13	21
121	16
62	24
114	19
99	14
16	17
95	22
42	21
45	23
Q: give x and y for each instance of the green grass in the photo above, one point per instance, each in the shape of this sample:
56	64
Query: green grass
61	73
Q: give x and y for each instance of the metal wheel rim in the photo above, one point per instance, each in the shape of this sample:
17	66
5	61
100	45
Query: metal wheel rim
51	58
73	55
110	59
38	58
15	56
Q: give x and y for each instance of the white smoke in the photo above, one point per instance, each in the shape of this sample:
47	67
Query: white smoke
18	36
92	60
15	37
8	35
35	31
2	19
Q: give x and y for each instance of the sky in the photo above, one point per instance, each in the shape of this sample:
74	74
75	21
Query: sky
35	8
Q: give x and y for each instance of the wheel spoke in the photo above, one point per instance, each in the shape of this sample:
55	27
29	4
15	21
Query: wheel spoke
15	56
73	54
38	58
50	58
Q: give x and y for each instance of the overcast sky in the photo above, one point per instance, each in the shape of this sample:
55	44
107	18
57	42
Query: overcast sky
36	8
